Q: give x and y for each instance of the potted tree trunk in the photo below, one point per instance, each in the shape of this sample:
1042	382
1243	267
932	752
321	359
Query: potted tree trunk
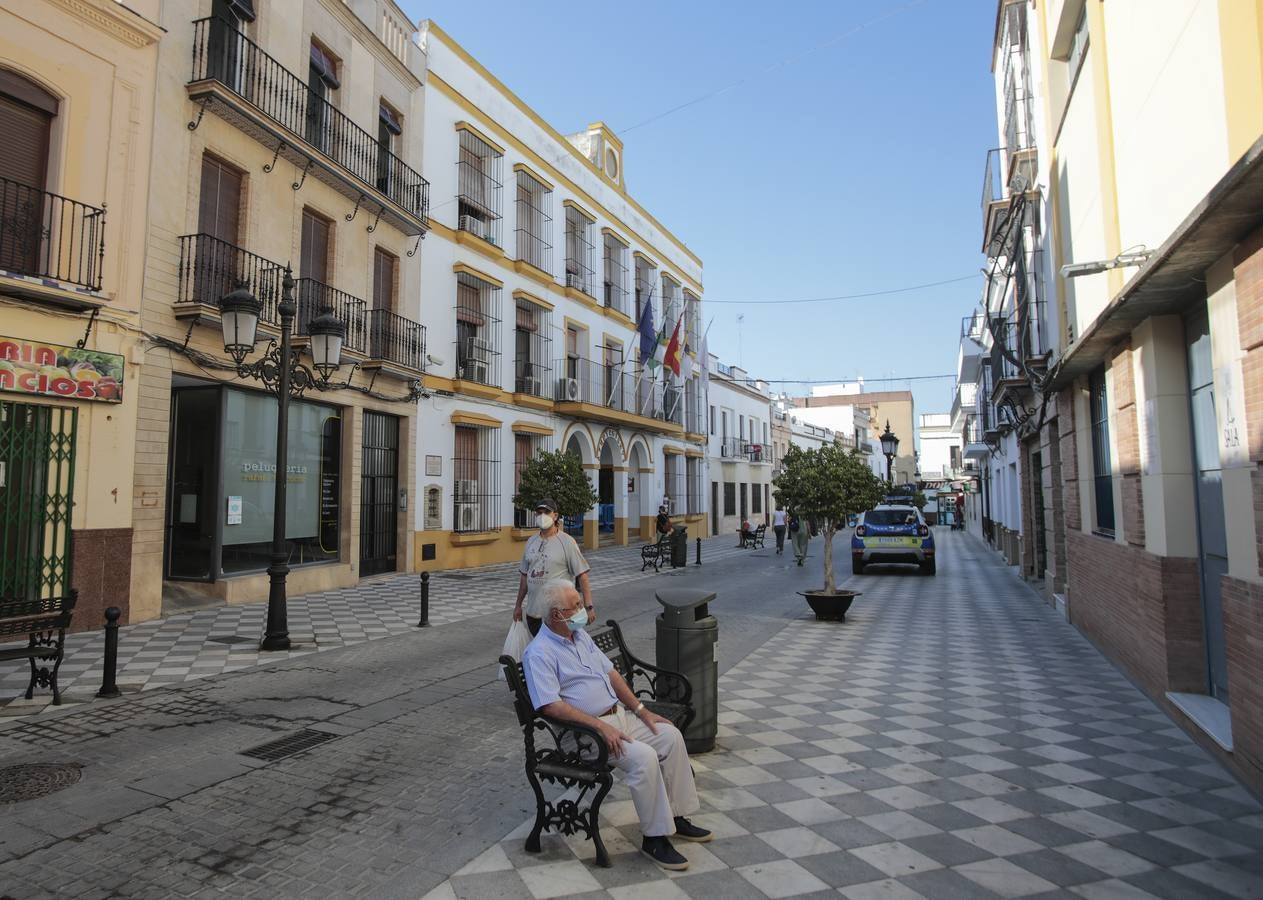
826	486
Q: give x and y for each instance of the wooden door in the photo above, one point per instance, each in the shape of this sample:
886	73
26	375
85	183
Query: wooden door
313	259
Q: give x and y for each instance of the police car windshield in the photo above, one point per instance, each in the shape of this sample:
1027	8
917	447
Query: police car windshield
890	517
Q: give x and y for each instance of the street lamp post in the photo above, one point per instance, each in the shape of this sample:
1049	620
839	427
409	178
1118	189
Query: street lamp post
283	375
889	447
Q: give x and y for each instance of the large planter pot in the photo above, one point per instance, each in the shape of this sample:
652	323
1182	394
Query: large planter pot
830	607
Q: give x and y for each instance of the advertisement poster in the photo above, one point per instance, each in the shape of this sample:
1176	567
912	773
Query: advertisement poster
51	370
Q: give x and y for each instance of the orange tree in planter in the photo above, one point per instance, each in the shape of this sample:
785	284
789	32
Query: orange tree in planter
826	485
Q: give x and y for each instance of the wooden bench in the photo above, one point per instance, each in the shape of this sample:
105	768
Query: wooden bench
568	755
656	554
44	624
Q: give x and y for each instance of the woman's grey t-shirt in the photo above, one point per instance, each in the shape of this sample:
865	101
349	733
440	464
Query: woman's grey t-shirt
549	559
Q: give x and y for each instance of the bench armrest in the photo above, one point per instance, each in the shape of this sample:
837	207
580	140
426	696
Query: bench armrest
569	743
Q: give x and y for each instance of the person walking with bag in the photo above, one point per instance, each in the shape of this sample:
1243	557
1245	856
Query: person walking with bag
800	531
551	555
778	526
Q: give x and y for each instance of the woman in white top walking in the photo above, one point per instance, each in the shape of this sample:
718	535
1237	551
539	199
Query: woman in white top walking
778	525
551	555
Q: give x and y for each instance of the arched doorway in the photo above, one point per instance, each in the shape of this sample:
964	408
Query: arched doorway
637	489
575	446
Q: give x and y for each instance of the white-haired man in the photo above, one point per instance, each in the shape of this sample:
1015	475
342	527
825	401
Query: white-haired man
570	679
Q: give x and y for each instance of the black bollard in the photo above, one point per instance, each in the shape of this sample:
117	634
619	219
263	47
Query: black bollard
699	552
109	688
425	601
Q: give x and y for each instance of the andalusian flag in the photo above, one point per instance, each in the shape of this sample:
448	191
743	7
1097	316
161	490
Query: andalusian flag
672	358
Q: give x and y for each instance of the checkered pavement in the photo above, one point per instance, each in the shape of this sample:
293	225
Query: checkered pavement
194	645
952	739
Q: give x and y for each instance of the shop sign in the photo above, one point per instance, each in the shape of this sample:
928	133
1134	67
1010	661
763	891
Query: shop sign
51	370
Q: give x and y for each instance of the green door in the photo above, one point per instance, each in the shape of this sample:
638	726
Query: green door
37	461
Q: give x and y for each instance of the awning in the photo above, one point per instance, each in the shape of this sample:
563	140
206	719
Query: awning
325	66
389	119
1173	278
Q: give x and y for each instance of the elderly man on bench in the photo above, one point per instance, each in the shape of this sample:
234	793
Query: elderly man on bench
570	679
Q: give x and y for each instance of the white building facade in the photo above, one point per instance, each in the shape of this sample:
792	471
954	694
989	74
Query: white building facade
535	275
739	448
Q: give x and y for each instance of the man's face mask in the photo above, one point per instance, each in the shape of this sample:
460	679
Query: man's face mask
543	521
578	621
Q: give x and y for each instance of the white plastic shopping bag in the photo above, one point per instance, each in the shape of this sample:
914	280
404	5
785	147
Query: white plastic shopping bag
515	643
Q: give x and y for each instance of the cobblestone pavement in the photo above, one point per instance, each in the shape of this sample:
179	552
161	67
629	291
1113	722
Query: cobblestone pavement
225	638
953	739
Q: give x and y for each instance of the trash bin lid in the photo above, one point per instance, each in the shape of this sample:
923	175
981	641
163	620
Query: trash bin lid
678	599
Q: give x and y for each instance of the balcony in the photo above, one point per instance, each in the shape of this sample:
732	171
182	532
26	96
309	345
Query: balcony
210	268
48	236
594	390
736	449
235	79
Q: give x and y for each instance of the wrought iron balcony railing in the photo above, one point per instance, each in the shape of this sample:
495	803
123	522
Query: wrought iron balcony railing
609	386
223	54
46	235
532	378
395	338
313	296
210	268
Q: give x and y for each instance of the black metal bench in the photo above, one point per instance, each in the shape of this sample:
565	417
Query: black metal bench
655	554
568	755
44	623
754	539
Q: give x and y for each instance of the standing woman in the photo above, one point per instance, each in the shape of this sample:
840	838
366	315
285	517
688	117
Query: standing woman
778	526
551	555
799	530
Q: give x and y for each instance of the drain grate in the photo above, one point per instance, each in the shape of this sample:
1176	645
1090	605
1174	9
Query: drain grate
231	639
18	783
289	745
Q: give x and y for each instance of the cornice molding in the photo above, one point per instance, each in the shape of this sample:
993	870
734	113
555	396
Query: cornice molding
115	20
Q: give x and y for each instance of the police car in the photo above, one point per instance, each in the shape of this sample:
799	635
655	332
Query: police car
892	533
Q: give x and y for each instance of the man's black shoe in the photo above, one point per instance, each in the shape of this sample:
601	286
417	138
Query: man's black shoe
690	832
659	849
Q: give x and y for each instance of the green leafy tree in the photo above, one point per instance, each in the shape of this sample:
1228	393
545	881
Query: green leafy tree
919	500
827	485
558	475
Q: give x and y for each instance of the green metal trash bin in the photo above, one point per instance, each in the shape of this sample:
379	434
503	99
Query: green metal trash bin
688	643
679	547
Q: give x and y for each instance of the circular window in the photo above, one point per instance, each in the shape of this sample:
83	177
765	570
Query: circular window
611	163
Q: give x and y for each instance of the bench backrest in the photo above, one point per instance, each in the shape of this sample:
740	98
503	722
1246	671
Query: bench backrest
607	641
36	616
515	675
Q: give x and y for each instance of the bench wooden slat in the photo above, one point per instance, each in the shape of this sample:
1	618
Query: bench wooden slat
45	620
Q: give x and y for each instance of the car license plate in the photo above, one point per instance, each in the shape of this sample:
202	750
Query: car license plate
899	541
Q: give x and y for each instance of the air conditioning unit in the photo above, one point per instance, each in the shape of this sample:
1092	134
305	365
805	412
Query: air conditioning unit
574	280
568	389
474	225
466	490
474	370
531	385
476	350
468	516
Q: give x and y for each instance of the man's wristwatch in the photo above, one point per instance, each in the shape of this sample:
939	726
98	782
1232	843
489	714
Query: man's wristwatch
589	607
639	709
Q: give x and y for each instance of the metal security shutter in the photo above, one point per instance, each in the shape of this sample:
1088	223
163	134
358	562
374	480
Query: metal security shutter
314	259
383	279
24	151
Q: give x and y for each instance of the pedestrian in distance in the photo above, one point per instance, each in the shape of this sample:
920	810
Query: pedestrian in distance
570	679
664	521
552	555
800	533
778	526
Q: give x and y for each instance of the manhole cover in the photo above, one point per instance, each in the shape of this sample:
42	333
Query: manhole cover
231	639
18	783
289	745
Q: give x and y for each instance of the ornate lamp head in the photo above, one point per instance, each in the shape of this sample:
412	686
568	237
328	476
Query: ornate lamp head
239	317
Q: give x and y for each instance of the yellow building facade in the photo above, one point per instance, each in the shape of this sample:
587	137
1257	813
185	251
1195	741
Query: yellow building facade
76	110
287	138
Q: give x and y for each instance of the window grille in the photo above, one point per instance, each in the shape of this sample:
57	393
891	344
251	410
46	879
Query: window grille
644	289
692	321
756	499
673	476
579	251
730	498
693	484
534	224
532	348
478	180
477	330
476	473
615	275
671	304
1102	469
525	446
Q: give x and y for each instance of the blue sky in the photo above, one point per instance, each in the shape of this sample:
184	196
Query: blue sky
855	166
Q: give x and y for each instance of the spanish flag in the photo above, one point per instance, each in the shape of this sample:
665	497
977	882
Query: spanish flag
672	359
